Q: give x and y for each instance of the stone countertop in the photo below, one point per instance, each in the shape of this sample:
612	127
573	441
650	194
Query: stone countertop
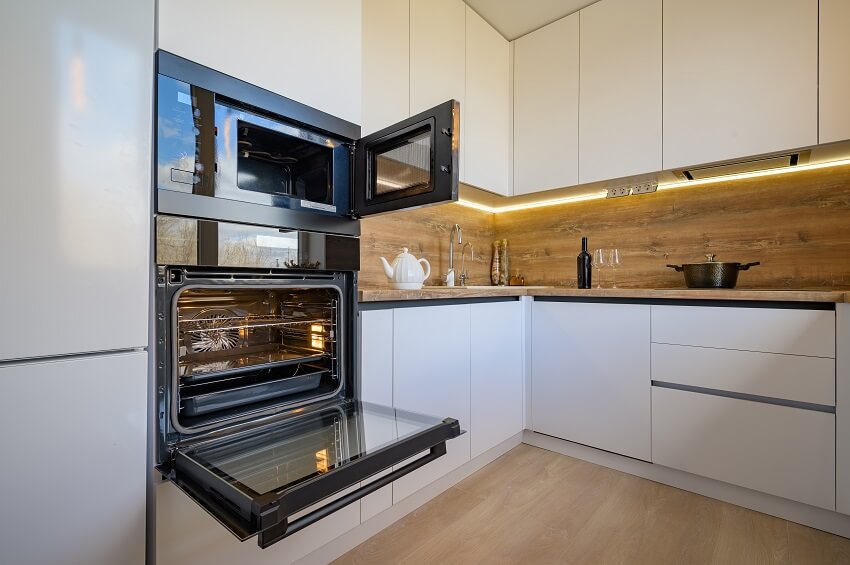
444	293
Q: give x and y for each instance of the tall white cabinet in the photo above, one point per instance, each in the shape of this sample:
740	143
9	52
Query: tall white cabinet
546	93
619	89
740	78
834	71
386	64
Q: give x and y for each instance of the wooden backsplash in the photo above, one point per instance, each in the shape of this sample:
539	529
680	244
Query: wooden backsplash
797	225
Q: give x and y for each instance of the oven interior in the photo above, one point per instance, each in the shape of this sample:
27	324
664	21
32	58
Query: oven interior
242	350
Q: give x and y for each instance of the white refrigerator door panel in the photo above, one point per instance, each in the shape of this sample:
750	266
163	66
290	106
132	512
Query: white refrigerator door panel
74	222
73	436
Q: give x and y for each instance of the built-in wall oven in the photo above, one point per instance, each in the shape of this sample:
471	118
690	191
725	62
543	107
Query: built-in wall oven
257	253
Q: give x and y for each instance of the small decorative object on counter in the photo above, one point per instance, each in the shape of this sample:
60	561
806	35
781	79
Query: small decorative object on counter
406	272
517	280
503	263
495	264
584	266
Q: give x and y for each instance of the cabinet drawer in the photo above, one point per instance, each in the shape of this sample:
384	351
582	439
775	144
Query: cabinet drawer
790	377
770	330
788	452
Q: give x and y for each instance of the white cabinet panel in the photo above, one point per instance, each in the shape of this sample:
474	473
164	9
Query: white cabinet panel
740	78
791	377
496	374
620	89
376	385
779	450
770	330
74	437
591	375
487	112
834	73
307	51
75	219
546	77
431	375
386	63
842	408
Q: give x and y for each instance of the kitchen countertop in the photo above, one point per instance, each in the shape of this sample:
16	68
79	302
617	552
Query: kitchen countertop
443	293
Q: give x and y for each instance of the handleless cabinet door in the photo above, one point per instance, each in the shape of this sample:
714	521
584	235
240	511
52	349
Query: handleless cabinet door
73	435
620	89
307	51
75	218
834	76
386	64
546	75
431	375
740	78
487	112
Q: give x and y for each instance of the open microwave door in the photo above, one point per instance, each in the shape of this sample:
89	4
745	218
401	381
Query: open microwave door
261	481
410	164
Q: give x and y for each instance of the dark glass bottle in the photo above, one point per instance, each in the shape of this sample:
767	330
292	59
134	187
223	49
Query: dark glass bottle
585	266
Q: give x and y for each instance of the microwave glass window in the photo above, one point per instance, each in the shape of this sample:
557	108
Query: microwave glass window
404	166
275	163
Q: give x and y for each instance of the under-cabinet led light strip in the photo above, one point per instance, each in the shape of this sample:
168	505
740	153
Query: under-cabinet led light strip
682	184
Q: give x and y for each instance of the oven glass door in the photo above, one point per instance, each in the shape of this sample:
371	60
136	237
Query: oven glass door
410	164
253	482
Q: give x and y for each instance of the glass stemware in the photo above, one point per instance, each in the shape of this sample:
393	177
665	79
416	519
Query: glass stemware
599	261
614	262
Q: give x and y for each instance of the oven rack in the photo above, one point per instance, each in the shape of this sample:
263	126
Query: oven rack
251	323
244	362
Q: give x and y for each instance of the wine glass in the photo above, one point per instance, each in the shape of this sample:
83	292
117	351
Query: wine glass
599	261
614	262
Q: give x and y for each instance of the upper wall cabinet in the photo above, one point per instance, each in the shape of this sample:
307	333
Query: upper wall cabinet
487	112
307	51
386	64
740	78
437	58
546	76
834	61
620	89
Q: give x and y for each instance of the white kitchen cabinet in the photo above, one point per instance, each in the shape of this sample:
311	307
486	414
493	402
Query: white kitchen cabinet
834	70
740	78
496	374
74	435
75	219
780	450
431	361
386	64
546	94
842	408
591	374
619	89
487	111
376	386
306	51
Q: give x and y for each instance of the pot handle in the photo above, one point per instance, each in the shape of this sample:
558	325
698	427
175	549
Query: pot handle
746	266
678	268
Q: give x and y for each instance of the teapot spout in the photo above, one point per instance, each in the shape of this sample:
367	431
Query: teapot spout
388	270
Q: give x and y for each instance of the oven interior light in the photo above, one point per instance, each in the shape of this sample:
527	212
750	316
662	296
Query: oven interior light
322	465
317	337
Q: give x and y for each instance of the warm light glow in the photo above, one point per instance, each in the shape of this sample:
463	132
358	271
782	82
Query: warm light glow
317	340
530	205
322	461
755	174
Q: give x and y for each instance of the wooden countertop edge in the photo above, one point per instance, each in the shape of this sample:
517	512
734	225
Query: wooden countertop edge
387	294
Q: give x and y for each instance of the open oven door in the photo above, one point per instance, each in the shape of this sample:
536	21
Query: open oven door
254	482
410	164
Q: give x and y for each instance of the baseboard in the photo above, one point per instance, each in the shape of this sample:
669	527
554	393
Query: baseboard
811	516
364	531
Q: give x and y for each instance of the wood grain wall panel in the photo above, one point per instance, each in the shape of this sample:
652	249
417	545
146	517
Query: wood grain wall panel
797	225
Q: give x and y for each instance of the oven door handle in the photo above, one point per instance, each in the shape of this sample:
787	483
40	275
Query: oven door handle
286	528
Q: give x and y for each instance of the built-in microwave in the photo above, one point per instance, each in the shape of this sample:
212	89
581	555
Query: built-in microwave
229	150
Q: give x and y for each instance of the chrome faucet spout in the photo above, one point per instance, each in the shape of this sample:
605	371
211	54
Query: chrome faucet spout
450	273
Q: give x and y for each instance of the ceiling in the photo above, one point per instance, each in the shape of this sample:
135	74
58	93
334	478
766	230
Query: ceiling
513	18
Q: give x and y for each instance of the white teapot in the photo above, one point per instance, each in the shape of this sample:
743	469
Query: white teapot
406	272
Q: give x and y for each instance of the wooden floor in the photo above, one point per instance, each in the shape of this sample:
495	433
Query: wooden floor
532	506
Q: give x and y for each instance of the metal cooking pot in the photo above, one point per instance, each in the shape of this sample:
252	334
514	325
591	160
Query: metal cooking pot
712	274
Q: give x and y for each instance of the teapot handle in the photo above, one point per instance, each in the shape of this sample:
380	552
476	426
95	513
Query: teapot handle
427	268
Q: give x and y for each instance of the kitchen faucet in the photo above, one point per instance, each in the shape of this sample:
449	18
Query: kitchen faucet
450	275
463	274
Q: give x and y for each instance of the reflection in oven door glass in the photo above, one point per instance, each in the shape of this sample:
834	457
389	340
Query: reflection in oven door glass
404	166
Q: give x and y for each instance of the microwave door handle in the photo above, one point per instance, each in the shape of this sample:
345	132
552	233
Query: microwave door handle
286	528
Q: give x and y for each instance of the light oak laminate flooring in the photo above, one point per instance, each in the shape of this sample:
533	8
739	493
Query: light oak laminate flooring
532	506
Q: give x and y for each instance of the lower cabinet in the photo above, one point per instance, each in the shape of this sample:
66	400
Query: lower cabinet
73	479
780	450
590	376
